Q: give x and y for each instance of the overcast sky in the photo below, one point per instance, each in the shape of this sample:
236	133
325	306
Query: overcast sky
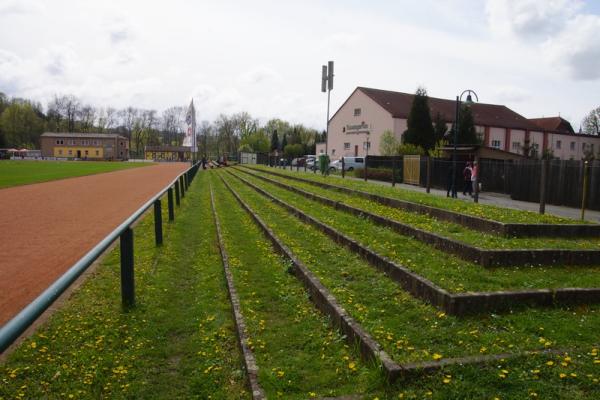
538	57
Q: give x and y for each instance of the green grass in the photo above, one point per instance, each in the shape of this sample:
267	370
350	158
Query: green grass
15	173
298	353
443	228
410	330
490	212
447	271
178	342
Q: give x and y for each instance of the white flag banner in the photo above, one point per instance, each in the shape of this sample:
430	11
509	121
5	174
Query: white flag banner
190	135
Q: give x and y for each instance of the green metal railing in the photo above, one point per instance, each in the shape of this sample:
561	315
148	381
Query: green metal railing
17	325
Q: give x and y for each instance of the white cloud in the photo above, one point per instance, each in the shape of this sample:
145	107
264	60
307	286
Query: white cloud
530	19
15	7
511	94
577	48
259	76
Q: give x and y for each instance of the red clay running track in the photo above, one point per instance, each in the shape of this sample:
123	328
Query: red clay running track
46	227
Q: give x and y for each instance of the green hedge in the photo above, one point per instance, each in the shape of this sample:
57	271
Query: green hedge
379	174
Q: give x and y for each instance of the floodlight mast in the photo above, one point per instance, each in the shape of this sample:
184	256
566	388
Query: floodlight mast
327	85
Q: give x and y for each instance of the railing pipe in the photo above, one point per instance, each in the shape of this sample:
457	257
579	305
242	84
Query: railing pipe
10	331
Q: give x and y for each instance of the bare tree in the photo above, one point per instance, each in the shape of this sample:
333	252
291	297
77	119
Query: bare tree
172	125
129	117
87	118
107	118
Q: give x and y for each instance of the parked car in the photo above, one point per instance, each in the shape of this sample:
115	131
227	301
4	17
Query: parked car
350	164
312	161
298	162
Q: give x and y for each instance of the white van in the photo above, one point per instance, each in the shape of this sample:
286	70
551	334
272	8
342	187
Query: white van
350	164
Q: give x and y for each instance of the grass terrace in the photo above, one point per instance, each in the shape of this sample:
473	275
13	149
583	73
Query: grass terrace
494	213
16	173
408	329
443	228
298	353
447	271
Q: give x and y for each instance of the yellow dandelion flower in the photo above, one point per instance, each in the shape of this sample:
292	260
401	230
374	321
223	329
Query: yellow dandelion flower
437	356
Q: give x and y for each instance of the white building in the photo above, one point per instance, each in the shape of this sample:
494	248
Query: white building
367	113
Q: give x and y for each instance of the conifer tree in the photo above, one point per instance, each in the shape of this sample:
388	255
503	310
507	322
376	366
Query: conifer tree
420	129
274	140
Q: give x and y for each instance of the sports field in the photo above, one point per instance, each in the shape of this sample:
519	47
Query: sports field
15	173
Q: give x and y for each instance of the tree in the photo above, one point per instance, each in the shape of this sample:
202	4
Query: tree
466	129
420	130
274	141
284	142
293	150
128	117
591	123
389	144
21	126
257	142
439	127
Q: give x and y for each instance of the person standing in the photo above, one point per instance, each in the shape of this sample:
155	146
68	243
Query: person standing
467	172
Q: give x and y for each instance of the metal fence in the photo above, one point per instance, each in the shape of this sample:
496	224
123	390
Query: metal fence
124	232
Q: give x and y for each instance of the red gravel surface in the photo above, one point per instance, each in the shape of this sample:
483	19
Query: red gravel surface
46	227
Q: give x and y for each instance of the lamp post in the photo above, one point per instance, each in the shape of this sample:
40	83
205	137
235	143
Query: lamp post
367	145
456	127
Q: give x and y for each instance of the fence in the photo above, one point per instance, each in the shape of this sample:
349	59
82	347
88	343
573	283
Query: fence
16	326
521	179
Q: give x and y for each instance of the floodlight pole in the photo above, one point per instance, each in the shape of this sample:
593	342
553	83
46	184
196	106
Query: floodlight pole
327	127
327	84
456	127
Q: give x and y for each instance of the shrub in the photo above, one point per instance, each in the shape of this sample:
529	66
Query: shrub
378	174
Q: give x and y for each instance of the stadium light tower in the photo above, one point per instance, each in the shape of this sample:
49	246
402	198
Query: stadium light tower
327	86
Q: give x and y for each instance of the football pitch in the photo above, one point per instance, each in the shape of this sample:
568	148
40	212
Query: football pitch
15	173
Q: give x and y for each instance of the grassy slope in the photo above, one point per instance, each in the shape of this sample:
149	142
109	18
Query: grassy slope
445	270
446	229
14	173
465	207
411	330
177	343
298	354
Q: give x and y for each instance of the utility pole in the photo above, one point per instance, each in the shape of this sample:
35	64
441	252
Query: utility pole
327	86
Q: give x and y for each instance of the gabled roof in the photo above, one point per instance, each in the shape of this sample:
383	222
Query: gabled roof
83	135
399	104
554	124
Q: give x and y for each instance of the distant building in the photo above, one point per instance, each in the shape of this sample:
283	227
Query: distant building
84	146
367	113
168	153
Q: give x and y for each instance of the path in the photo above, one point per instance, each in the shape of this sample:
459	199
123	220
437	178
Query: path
46	227
499	199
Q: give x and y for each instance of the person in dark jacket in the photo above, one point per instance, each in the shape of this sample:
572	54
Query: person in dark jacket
467	172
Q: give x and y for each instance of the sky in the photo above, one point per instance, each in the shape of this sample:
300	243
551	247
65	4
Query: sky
540	58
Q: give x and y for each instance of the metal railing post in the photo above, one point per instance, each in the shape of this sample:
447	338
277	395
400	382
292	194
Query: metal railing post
127	277
158	222
393	171
177	193
428	176
584	190
543	186
170	204
182	186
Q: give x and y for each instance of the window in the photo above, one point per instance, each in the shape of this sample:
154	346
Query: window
496	144
359	160
60	152
97	152
357	112
516	146
332	151
583	146
86	153
558	144
58	142
367	145
347	146
70	152
572	145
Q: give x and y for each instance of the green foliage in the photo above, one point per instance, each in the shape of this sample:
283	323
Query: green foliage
466	130
410	149
439	127
591	122
420	130
284	141
274	141
380	174
21	126
255	142
293	150
437	151
388	146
